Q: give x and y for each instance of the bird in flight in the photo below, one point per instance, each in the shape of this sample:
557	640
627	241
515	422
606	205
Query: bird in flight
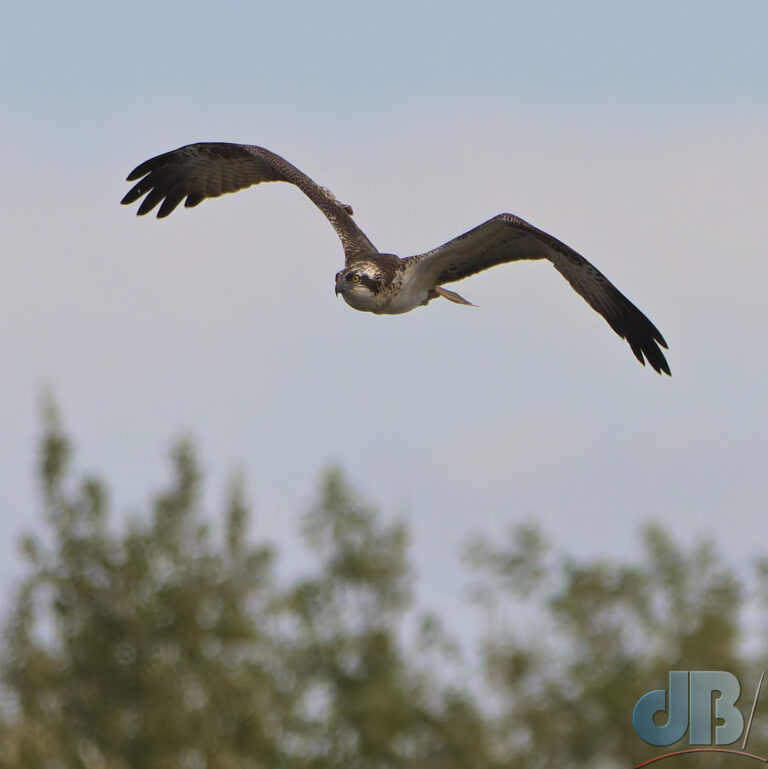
386	284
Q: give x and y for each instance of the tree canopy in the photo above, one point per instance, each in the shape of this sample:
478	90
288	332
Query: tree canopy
168	640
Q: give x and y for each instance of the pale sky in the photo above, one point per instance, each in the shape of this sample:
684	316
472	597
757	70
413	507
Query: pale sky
634	132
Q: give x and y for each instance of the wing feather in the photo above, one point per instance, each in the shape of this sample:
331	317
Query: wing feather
210	169
507	238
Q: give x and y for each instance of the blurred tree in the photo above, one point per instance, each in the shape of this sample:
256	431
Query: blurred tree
147	648
166	646
374	706
600	635
170	642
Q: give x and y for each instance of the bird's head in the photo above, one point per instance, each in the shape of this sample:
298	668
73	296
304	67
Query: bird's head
359	285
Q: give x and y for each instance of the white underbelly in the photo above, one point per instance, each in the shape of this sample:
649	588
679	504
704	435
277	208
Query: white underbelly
409	298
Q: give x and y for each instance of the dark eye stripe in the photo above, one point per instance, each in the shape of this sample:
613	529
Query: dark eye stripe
369	283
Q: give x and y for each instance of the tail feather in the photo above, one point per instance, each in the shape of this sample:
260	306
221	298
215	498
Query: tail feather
452	296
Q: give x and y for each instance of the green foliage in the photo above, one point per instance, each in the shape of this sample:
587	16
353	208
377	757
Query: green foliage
165	645
170	641
604	633
144	648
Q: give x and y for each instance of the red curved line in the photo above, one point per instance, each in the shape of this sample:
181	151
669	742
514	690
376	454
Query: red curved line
703	750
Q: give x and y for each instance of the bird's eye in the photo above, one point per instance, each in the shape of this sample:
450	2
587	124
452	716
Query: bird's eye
354	277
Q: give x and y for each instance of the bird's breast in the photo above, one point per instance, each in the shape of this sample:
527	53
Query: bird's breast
406	292
407	298
362	299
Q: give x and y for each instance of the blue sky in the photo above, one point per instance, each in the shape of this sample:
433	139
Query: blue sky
633	132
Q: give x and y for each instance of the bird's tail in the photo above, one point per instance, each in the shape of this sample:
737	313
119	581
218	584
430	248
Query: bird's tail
452	296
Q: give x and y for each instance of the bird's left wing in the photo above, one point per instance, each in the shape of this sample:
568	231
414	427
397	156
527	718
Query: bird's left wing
208	169
507	238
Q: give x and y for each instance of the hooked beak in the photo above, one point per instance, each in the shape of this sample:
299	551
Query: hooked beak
339	286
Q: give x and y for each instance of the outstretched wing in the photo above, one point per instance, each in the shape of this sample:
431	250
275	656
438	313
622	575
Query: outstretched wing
507	238
209	169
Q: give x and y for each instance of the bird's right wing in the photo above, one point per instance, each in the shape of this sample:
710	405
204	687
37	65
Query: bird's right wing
208	169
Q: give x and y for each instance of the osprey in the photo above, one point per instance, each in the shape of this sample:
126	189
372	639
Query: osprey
384	283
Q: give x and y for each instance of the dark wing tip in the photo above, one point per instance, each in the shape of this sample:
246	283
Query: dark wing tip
130	197
644	338
659	363
149	202
655	358
150	165
652	350
154	196
169	178
156	180
194	199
